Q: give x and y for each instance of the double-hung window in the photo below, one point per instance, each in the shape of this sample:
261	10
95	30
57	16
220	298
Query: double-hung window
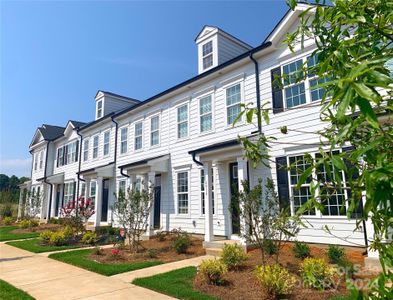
207	55
182	192
106	142
233	100
203	191
60	156
205	112
316	92
68	192
293	84
83	189
93	190
95	146
72	152
122	188
182	121
85	150
123	140
154	130
138	136
35	161
99	109
41	159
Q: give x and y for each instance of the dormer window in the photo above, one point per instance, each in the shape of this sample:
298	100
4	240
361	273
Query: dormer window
99	109
207	55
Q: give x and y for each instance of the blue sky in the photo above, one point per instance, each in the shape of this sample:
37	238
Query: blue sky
56	55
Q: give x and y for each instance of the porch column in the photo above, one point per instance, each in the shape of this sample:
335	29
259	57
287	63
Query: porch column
132	181
53	205
242	175
98	204
207	171
151	177
87	188
43	202
20	207
49	202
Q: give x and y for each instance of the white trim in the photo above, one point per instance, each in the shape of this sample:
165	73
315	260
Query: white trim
159	130
141	121
212	99
126	140
241	121
109	143
188	121
178	171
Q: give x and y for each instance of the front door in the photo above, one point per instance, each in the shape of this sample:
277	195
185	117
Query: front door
105	196
157	203
235	210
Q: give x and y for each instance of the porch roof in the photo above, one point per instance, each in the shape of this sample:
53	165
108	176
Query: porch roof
157	163
216	146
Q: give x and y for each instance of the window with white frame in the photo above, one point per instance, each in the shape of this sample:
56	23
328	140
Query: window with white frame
122	187
138	136
35	161
205	113
182	121
99	109
123	140
138	184
182	192
107	135
60	156
69	189
83	189
294	89
154	130
207	55
72	149
233	101
41	159
93	191
95	146
316	92
85	150
203	191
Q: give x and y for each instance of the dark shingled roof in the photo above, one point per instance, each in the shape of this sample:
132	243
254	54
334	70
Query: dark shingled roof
77	124
50	132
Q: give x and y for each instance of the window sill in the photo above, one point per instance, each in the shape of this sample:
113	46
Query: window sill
183	139
206	132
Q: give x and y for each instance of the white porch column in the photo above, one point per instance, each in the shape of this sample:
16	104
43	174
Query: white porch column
207	171
53	200
98	204
151	177
44	202
49	201
20	207
242	175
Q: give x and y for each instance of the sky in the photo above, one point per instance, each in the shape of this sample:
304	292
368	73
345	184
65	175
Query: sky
56	55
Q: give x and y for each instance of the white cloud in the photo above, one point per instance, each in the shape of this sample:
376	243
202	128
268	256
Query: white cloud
16	166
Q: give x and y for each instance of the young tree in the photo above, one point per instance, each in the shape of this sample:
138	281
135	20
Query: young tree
77	213
33	204
132	210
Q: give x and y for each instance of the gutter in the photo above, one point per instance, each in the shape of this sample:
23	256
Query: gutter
51	184
257	90
199	163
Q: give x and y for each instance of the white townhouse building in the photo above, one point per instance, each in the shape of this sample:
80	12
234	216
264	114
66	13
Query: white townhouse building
182	141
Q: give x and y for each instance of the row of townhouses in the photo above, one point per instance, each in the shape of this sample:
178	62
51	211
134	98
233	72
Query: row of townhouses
182	141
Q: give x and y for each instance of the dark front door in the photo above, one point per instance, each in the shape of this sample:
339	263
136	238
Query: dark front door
105	196
233	181
157	203
57	201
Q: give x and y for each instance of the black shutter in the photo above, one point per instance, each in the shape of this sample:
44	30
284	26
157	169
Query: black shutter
278	105
77	151
73	196
65	151
62	196
282	181
58	155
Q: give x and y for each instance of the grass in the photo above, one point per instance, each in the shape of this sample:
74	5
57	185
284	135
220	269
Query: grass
34	245
80	258
7	235
177	283
9	292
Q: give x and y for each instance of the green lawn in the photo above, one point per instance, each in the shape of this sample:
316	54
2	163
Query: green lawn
9	292
177	283
7	235
80	258
33	245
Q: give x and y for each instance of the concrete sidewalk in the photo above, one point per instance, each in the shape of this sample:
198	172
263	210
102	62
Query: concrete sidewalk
44	278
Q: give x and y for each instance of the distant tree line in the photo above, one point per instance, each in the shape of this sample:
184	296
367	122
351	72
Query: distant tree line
9	190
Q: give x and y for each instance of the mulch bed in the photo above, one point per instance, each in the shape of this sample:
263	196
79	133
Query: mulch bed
164	252
242	284
40	228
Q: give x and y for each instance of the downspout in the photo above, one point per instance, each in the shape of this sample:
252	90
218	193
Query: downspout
124	174
80	162
257	89
45	181
199	163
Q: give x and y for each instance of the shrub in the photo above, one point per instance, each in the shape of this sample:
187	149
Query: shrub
213	270
57	239
301	250
275	279
270	247
68	232
89	237
97	251
335	254
8	220
316	273
24	224
182	242
152	253
233	256
346	267
34	223
115	253
161	235
45	236
6	210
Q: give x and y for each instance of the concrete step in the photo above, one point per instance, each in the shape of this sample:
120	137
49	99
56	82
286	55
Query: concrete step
213	251
219	244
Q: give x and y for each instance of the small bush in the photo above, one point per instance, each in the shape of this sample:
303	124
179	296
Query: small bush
97	251
335	254
45	236
161	235
346	267
89	237
316	273
269	247
57	239
152	253
233	256
24	224
68	232
275	279
8	220
54	221
182	242
213	270
6	210
115	254
34	223
301	250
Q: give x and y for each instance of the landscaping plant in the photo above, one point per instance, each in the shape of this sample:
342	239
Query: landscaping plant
132	210
152	253
96	251
89	237
77	213
45	236
181	242
316	273
336	254
275	279
8	220
213	271
233	256
57	239
301	250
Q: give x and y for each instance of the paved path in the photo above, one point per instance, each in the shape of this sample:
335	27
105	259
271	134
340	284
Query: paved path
44	278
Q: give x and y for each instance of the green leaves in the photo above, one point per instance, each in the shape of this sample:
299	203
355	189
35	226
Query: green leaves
368	111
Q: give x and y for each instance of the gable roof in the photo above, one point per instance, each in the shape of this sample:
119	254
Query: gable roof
207	27
77	124
51	132
115	95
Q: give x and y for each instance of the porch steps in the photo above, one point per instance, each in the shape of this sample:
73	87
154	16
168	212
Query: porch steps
215	247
